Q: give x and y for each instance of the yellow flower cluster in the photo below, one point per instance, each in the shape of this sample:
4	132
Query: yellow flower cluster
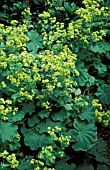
27	16
52	133
39	165
13	22
36	162
48	168
44	15
3	62
26	11
103	117
58	61
10	158
79	103
6	107
94	8
16	39
52	20
58	68
98	35
64	140
96	104
87	16
56	34
47	154
61	154
77	99
15	143
38	168
20	73
57	129
46	105
55	3
26	70
4	154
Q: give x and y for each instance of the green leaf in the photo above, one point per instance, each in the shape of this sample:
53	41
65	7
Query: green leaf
103	167
101	47
69	167
103	94
87	113
43	114
71	8
77	92
36	41
29	108
5	6
91	81
68	107
85	166
33	139
2	47
100	67
97	48
57	93
17	117
85	134
16	95
59	116
84	77
8	131
100	151
25	164
106	45
60	165
43	126
33	120
71	133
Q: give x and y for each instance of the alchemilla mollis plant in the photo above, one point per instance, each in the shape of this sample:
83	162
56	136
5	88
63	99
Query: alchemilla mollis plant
50	100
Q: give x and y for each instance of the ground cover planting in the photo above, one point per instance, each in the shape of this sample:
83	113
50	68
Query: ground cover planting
55	85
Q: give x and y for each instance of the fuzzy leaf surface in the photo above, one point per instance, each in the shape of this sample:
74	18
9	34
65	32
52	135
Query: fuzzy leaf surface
59	116
17	117
7	131
33	139
103	93
28	108
33	120
100	152
36	41
43	126
85	135
100	67
87	114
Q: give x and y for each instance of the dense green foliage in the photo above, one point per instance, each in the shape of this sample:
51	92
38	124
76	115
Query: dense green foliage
55	84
